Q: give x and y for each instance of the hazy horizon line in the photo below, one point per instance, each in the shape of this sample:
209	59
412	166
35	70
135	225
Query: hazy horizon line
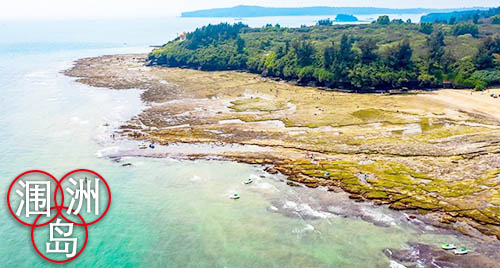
127	16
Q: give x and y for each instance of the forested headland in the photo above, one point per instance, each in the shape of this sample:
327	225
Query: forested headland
382	55
244	11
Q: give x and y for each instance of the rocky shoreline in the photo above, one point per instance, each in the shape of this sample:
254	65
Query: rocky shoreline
438	164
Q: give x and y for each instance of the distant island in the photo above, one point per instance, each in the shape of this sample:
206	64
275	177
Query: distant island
243	11
339	18
345	18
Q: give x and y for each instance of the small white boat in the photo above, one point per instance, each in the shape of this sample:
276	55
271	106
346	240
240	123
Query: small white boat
248	181
448	246
234	196
143	146
461	251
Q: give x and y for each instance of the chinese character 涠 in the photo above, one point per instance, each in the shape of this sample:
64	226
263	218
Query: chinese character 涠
36	198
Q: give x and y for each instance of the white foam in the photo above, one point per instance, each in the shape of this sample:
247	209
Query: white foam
394	264
306	210
273	208
195	178
108	151
265	186
379	216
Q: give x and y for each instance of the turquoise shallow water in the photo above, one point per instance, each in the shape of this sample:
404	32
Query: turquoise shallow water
165	212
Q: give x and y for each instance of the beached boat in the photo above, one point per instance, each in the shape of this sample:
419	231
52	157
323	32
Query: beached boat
448	246
461	251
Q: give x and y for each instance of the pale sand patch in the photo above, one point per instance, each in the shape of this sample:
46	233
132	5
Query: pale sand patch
469	101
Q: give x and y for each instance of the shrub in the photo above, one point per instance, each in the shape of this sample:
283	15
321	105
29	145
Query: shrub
383	20
480	85
397	21
306	74
496	19
465	28
489	77
426	28
325	22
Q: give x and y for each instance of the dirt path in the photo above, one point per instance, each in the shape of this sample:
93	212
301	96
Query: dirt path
469	101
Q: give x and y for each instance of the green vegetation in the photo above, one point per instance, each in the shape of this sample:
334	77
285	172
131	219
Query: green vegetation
378	56
426	28
384	20
495	20
325	22
465	28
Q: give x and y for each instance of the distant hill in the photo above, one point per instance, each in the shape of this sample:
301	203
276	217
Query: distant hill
460	16
257	11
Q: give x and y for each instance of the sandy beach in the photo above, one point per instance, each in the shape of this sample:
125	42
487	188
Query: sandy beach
469	101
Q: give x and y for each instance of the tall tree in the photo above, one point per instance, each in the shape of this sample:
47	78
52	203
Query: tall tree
488	51
384	20
436	52
453	20
404	53
240	44
329	56
475	18
368	47
426	27
399	56
345	58
304	51
436	46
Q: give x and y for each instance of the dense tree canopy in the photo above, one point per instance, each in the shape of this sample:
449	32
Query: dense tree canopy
378	56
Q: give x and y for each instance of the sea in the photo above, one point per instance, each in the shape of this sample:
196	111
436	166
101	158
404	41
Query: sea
165	212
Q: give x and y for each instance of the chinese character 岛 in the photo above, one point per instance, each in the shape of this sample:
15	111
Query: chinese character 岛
65	239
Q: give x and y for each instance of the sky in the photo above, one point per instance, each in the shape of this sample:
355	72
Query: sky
81	9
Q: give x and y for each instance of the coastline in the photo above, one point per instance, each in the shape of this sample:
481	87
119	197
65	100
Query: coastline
403	172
